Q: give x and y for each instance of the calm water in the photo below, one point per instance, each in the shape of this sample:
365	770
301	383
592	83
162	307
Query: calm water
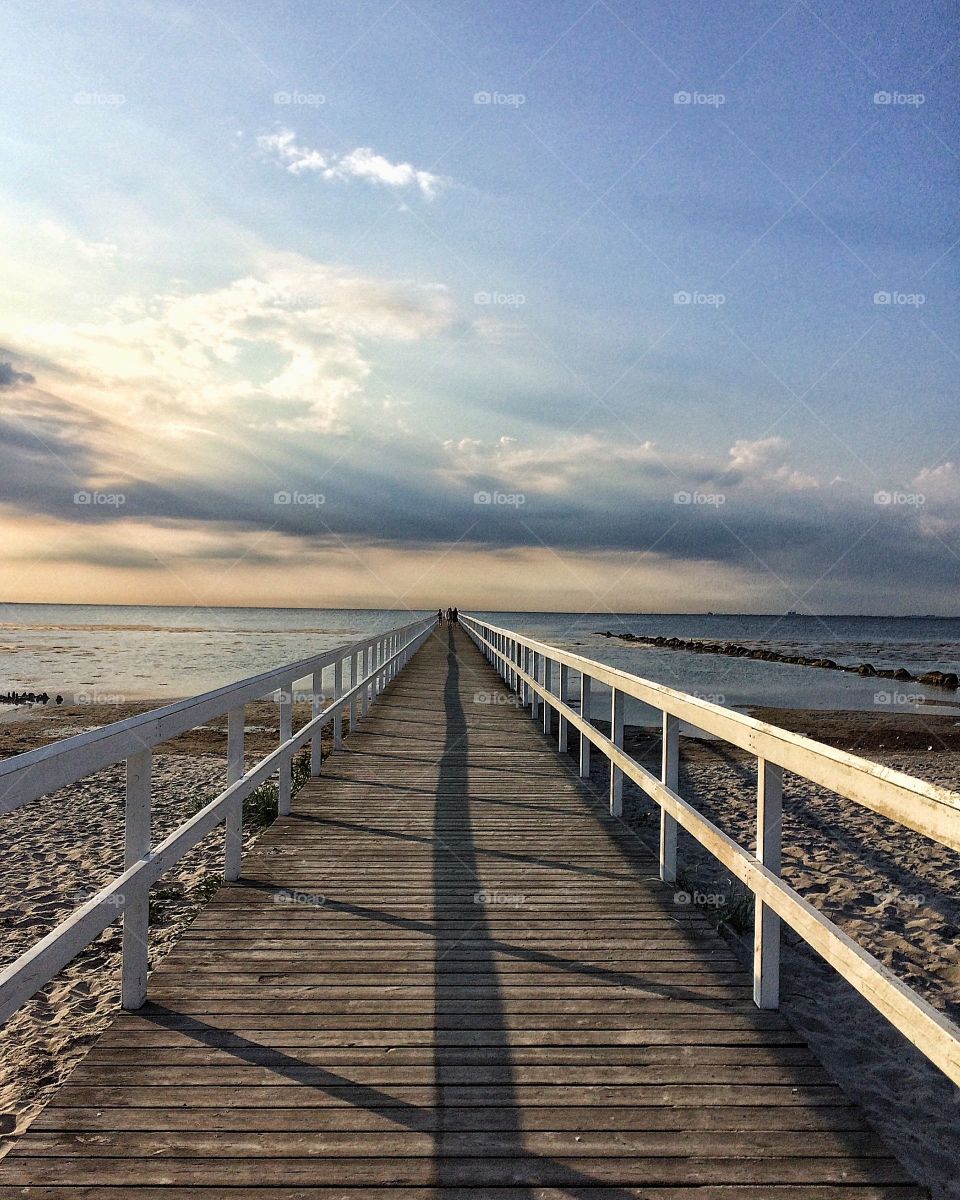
917	643
134	652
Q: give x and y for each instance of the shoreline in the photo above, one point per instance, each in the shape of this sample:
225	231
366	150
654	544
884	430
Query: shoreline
854	730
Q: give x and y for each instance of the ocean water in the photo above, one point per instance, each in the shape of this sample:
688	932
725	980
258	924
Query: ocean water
917	643
108	653
117	652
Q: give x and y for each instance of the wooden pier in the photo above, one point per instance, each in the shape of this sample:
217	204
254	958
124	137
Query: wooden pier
450	972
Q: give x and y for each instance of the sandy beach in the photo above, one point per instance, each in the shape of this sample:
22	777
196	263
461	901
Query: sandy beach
894	891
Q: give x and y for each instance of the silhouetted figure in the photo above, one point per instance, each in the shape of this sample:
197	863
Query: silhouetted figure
439	616
59	699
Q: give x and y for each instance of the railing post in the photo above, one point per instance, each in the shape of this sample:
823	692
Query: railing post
233	823
533	670
547	685
357	699
338	715
616	736
366	667
670	777
766	923
136	912
286	731
562	687
316	707
585	716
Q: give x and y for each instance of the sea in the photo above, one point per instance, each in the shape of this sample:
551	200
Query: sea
120	653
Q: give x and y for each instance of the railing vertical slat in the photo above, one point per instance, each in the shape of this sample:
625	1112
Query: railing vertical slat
233	823
286	732
548	685
766	923
533	670
136	913
585	714
562	687
670	776
358	699
365	657
616	736
316	707
337	693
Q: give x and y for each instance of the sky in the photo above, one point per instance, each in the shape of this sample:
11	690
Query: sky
582	305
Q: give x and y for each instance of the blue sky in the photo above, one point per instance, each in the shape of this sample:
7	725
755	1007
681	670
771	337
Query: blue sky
579	305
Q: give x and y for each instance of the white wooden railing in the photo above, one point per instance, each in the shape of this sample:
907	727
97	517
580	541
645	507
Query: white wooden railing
540	674
369	664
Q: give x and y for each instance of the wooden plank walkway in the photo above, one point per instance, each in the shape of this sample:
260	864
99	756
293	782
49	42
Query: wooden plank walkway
450	974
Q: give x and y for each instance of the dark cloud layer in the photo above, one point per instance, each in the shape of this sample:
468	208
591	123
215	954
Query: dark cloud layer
10	378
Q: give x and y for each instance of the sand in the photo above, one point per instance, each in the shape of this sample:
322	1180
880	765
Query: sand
897	893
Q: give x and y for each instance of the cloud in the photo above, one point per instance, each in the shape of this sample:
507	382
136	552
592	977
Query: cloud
296	159
762	462
10	378
283	347
88	250
567	465
942	482
361	163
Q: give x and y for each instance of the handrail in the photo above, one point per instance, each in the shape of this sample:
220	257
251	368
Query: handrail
526	664
371	662
71	759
